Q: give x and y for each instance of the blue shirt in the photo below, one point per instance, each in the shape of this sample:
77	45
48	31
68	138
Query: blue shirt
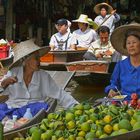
126	78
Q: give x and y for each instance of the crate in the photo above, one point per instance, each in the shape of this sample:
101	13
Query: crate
4	51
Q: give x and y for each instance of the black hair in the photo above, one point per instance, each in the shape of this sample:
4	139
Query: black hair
131	33
103	29
104	6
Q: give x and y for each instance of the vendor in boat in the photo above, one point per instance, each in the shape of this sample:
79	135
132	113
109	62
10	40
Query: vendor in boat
82	37
62	39
102	49
106	16
126	75
26	83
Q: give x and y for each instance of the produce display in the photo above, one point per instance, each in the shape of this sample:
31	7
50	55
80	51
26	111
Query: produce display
83	122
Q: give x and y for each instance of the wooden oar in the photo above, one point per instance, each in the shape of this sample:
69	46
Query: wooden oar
106	20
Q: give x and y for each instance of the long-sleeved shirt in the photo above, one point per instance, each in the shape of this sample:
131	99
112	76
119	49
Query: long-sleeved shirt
126	78
84	39
110	23
40	87
97	47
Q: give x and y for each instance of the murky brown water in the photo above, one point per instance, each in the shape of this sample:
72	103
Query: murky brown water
84	92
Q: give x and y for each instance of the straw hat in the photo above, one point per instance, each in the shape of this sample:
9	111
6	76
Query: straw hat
26	48
98	7
118	36
82	18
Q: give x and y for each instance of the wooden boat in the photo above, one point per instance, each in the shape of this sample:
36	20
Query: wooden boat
38	117
63	56
91	71
88	66
62	79
55	60
132	135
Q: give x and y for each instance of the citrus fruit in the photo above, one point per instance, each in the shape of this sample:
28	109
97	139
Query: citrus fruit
125	124
69	116
70	124
79	107
32	129
90	135
133	121
71	137
136	126
82	133
116	127
107	119
98	133
108	128
85	126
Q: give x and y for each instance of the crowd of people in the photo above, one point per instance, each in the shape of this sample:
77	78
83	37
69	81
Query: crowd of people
95	40
25	83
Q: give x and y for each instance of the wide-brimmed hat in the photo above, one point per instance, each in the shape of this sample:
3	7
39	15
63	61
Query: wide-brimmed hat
98	7
92	23
82	18
118	36
26	48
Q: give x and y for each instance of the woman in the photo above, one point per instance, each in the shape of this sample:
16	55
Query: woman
126	75
106	16
27	83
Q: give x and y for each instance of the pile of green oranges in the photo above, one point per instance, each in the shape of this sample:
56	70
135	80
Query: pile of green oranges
83	122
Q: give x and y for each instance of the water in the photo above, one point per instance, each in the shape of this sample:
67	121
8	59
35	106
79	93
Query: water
85	92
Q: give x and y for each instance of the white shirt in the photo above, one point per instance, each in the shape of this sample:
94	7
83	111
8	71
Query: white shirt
84	39
110	23
40	87
60	41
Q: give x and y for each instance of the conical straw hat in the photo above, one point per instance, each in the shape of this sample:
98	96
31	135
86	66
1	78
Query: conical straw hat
98	7
26	48
118	36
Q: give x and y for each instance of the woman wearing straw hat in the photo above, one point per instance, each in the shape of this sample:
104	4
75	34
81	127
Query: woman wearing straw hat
82	38
26	83
126	75
106	16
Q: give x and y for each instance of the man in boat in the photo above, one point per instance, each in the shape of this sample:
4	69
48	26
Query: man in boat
61	40
106	16
25	83
102	49
82	38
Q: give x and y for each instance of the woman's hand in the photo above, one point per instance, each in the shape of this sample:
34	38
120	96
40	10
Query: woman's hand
112	93
8	81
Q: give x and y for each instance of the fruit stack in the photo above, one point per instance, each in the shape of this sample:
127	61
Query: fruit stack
82	122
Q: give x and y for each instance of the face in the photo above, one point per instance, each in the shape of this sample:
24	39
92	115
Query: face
133	45
104	37
82	26
62	28
103	12
33	62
